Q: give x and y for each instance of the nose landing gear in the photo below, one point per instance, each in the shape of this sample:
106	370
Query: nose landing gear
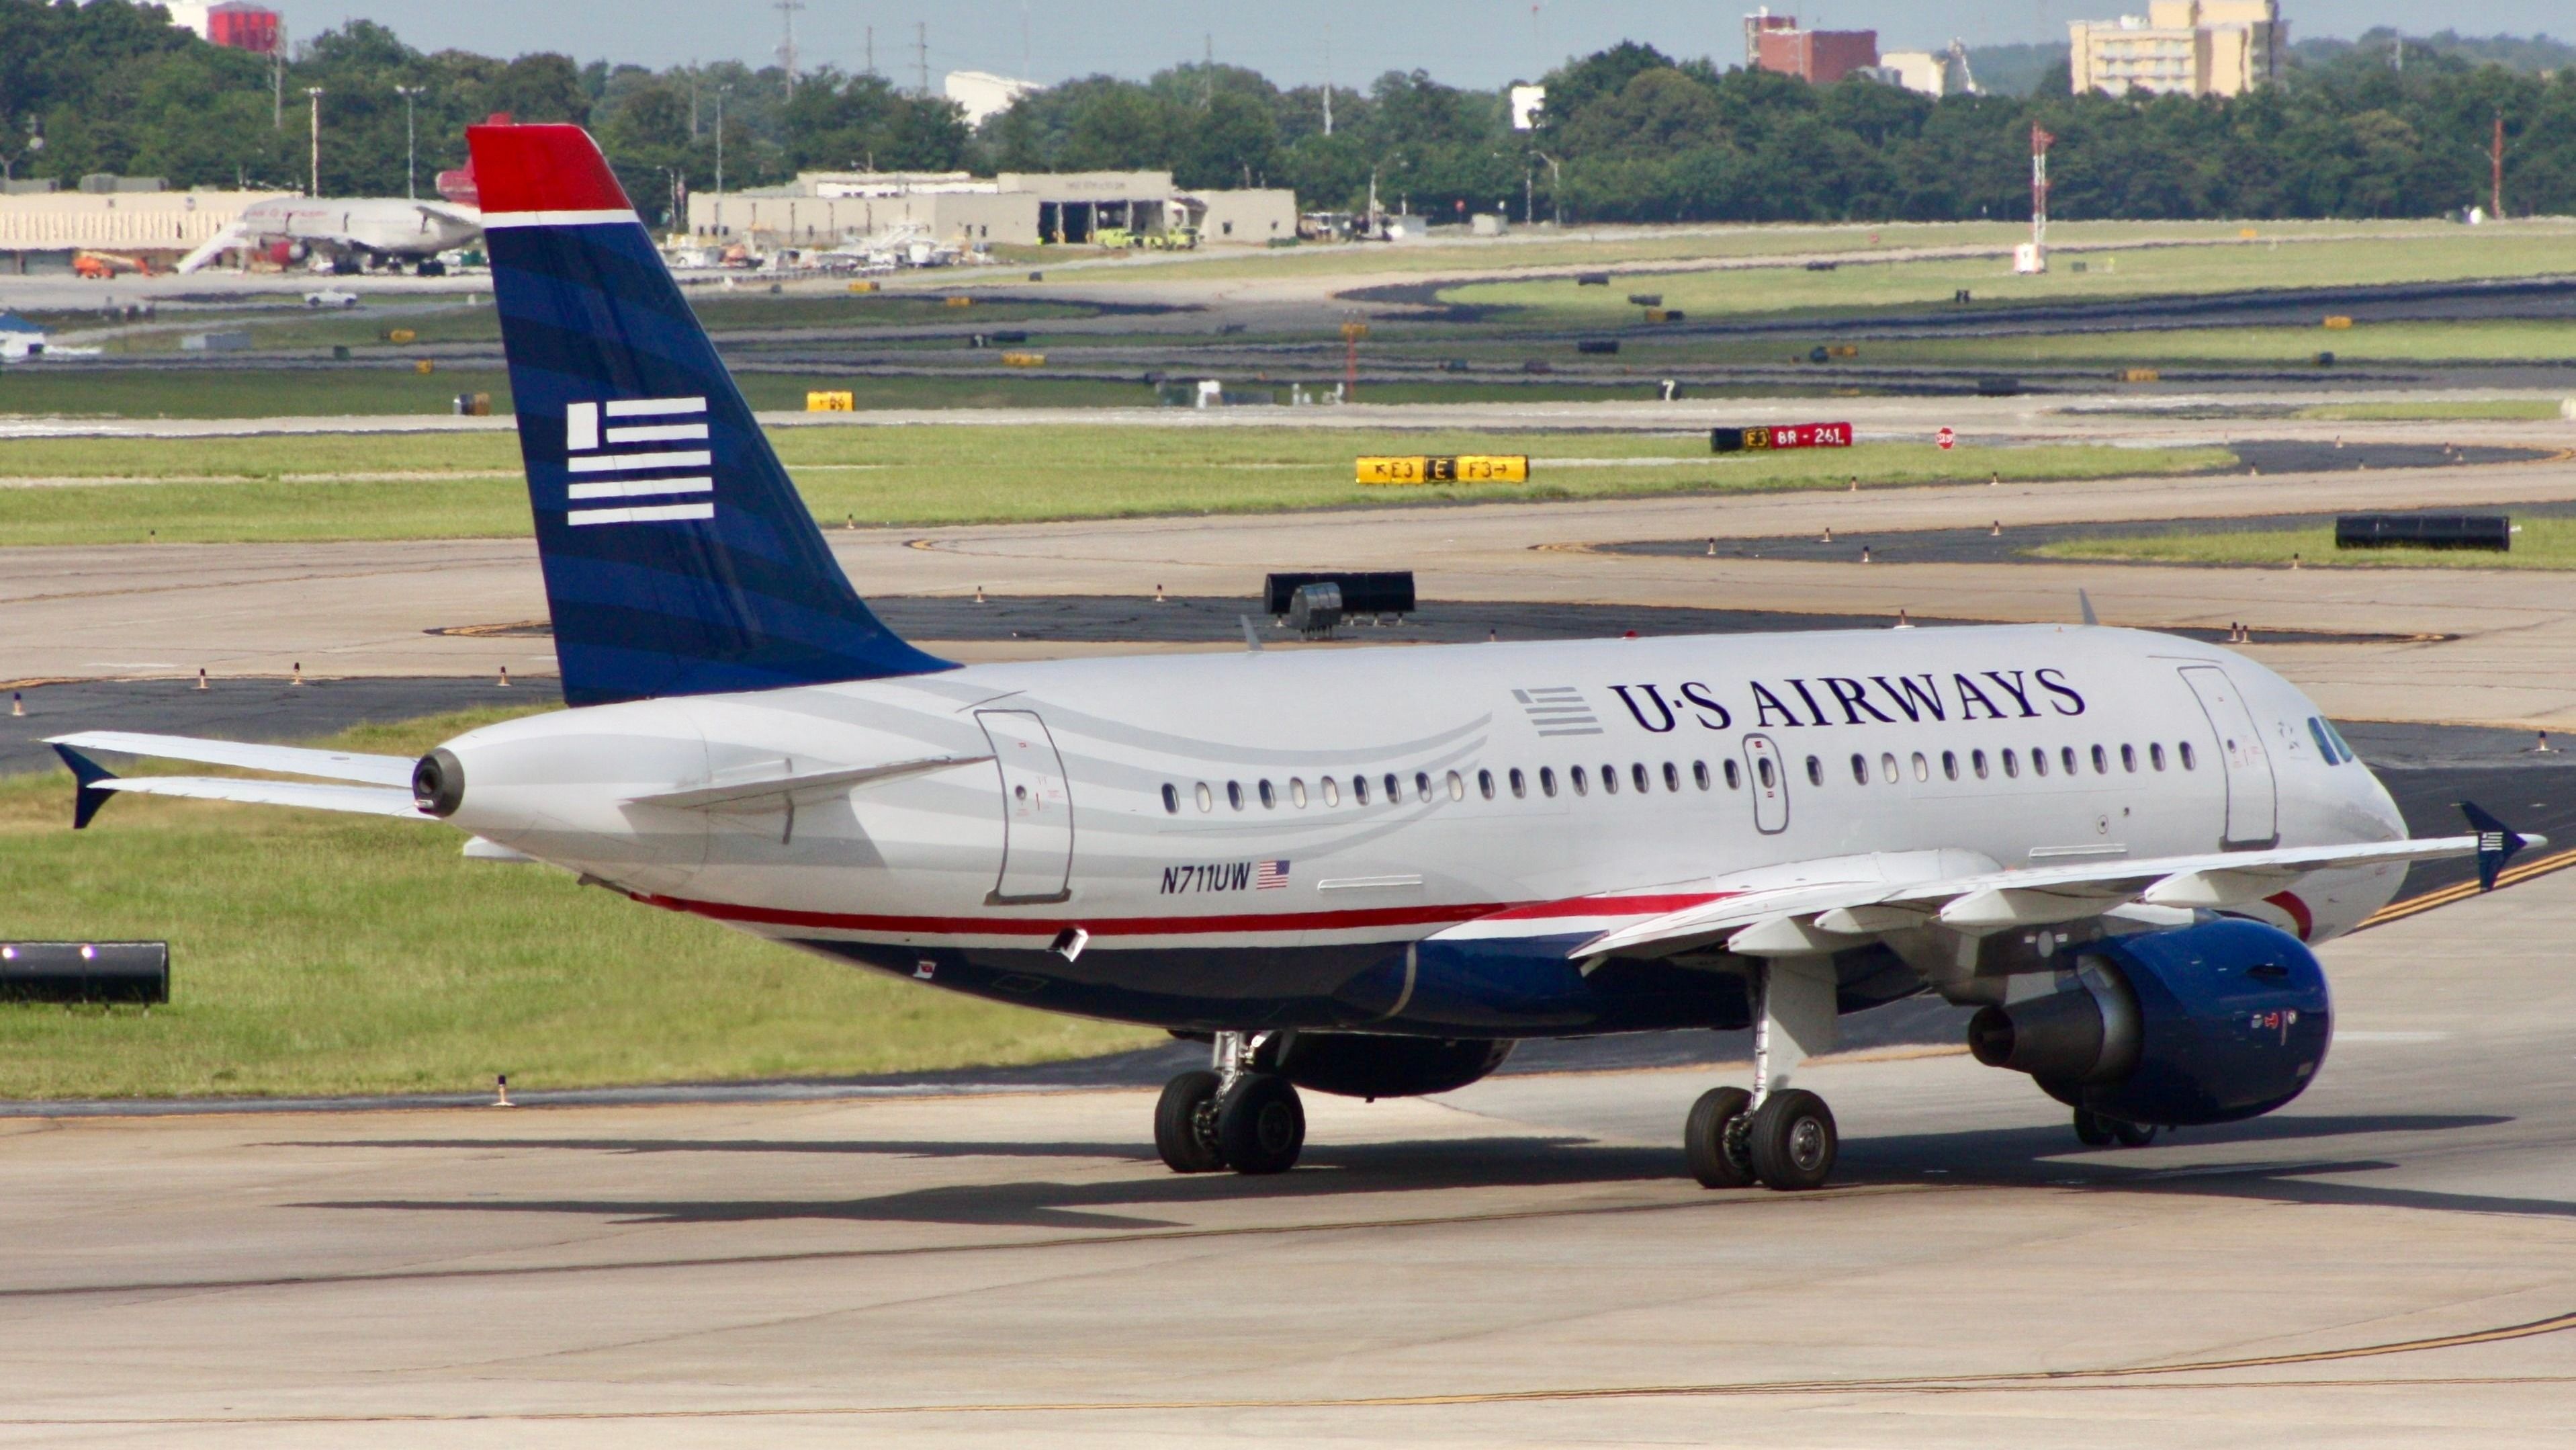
1236	1116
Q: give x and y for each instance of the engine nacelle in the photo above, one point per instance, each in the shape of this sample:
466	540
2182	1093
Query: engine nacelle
2206	1024
1356	1065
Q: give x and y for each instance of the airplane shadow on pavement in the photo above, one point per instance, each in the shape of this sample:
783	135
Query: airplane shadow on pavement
2021	1157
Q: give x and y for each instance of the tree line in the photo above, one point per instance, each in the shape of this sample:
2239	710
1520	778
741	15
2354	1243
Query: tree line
1628	134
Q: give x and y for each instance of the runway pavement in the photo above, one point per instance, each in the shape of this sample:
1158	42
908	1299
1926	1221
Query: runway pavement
2386	1262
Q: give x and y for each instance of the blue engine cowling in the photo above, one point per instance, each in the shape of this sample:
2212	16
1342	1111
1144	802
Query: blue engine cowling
2206	1024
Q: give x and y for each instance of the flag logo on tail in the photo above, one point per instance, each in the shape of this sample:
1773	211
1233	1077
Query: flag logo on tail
653	438
1269	875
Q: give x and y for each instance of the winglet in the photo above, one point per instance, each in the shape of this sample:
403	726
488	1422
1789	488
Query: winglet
2497	843
87	795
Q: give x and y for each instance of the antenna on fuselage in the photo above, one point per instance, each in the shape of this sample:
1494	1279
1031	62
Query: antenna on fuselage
2086	600
1251	636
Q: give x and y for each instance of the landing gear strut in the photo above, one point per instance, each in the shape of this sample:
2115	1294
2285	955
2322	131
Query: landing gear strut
1776	1135
1238	1115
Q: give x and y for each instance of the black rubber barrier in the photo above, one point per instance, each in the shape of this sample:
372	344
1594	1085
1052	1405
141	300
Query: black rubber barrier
2424	531
1376	591
85	971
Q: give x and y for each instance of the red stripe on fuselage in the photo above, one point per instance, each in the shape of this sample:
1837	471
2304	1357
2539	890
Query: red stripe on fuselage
1610	906
1048	927
2300	917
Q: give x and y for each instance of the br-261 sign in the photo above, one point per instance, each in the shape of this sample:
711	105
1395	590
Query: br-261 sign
1787	435
1465	468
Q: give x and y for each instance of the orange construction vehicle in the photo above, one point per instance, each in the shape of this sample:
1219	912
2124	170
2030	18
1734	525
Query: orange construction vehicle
102	265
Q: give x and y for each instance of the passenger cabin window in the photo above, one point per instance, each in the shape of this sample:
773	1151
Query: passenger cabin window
1575	776
1394	791
2129	759
1485	783
1769	779
2039	762
2156	754
2188	761
2066	757
1547	781
1609	780
1207	798
1171	799
1923	767
2012	767
1269	797
1977	758
1860	768
1359	790
1422	785
2101	762
1297	792
1520	786
1637	773
1815	771
1699	774
1332	791
1734	777
1457	787
1887	768
1950	764
1234	794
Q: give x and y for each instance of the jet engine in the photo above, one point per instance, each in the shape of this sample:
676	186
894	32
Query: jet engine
1356	1065
2205	1024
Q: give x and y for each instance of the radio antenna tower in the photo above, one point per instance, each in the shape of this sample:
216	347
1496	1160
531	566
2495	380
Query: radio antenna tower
787	44
2039	140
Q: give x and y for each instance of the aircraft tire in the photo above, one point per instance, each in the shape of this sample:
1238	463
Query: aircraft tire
1260	1125
2133	1135
1184	1127
1792	1140
2092	1129
1713	1139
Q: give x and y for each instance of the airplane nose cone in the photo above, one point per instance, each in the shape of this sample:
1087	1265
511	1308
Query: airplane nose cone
438	783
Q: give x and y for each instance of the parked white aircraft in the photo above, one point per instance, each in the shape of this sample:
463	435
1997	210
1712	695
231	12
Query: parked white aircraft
367	231
1369	871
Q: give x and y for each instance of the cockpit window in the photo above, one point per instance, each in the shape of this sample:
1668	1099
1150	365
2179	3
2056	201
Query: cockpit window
2340	743
2325	746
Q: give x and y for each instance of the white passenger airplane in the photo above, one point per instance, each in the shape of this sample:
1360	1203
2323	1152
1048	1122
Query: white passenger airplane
370	230
1369	871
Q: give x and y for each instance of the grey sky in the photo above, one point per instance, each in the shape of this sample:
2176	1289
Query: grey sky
1462	42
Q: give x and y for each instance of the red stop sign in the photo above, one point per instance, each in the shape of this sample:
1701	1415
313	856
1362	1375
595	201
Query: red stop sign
1947	437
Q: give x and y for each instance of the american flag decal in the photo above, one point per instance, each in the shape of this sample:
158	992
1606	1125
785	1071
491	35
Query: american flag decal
1269	875
652	421
1558	710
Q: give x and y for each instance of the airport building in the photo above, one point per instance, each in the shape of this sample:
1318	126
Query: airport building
41	231
2181	48
822	208
1775	43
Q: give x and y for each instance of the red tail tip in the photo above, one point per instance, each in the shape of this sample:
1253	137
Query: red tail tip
542	168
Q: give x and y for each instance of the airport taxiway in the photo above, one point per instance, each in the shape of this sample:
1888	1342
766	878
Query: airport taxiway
2389	1261
2470	646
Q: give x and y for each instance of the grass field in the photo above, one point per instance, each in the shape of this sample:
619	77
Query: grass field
2540	544
468	485
2278	257
332	954
245	392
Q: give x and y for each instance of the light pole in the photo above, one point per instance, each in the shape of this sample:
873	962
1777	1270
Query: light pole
35	143
315	92
720	95
1555	192
411	143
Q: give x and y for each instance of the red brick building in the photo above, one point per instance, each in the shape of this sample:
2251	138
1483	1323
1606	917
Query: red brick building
1820	57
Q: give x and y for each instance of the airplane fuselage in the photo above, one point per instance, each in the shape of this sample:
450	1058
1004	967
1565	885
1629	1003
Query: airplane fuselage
1283	837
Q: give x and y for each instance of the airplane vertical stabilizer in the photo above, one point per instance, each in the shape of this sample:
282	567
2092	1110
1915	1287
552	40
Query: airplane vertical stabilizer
679	559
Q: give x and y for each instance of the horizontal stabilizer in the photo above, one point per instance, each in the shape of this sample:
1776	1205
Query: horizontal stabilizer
779	790
393	770
371	800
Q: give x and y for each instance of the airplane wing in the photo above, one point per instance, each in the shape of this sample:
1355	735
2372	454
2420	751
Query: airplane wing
1805	917
377	785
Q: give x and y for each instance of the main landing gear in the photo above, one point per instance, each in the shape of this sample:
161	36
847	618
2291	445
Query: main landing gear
1778	1136
1237	1115
2097	1131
